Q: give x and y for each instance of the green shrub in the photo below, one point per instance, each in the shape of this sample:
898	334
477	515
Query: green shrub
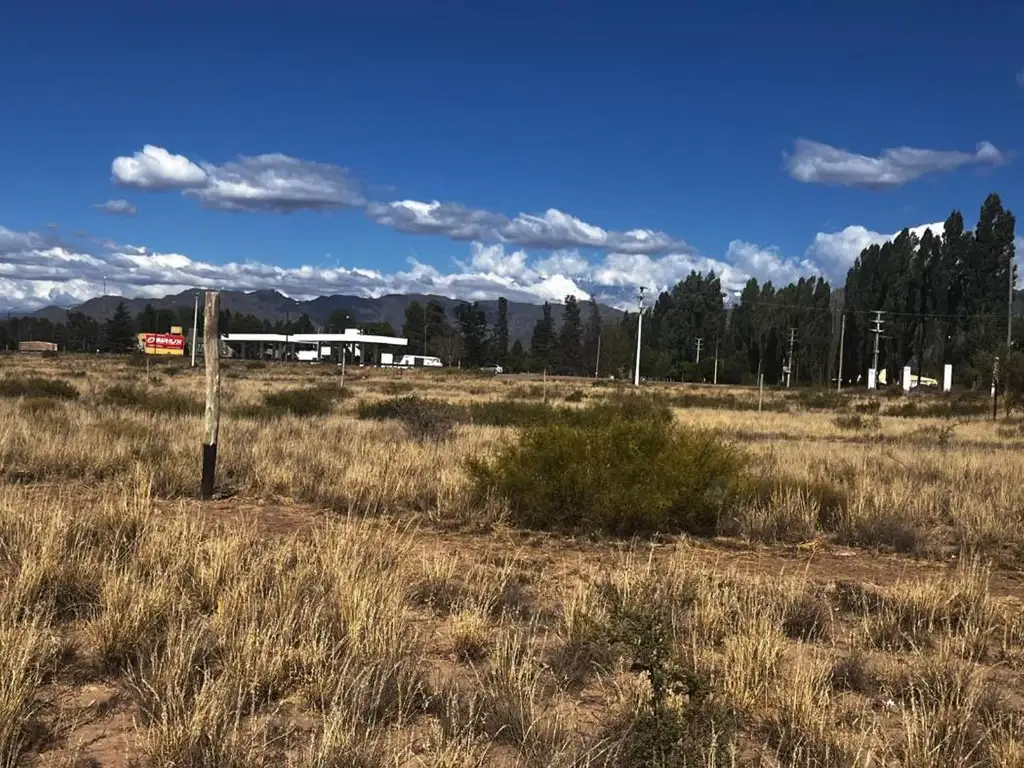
317	400
576	396
620	467
165	403
423	419
497	413
37	386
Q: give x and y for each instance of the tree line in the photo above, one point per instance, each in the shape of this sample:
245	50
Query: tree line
942	296
117	334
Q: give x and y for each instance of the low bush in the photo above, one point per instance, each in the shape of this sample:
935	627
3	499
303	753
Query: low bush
726	402
423	419
317	400
620	467
867	407
819	400
856	422
37	386
167	403
576	396
496	413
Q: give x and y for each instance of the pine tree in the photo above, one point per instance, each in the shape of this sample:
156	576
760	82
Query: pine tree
146	320
415	327
501	333
591	337
570	339
543	340
473	332
118	331
338	321
517	357
439	332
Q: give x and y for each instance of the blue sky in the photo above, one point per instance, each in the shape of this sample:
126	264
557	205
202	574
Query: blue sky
572	146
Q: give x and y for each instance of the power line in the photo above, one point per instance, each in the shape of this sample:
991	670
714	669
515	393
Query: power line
868	312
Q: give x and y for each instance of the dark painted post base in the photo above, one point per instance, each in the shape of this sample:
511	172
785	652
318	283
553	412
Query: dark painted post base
209	470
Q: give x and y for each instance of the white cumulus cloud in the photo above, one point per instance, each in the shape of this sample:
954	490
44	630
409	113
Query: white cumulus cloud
269	182
117	208
835	252
279	183
154	168
815	162
552	229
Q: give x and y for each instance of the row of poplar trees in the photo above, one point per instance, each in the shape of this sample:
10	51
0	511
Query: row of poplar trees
944	298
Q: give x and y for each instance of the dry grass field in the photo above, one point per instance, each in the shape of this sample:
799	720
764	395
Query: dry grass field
352	598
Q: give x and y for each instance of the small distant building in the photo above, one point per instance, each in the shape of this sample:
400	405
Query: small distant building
37	347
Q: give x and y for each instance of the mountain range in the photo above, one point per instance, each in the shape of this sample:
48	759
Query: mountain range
272	305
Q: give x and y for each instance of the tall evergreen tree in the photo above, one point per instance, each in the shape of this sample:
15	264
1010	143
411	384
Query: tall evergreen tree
570	339
415	327
542	343
339	320
146	320
473	332
118	331
591	337
501	333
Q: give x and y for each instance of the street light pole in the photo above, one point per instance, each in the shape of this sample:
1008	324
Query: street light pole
639	331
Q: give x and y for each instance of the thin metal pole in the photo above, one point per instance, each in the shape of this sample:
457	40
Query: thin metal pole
597	364
195	329
760	390
716	362
842	340
639	332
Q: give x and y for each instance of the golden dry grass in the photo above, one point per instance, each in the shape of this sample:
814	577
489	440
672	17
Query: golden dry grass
350	605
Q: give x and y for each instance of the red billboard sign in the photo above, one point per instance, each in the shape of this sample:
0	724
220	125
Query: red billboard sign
163	343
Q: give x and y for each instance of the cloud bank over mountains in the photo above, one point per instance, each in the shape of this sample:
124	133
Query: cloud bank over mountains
39	269
526	257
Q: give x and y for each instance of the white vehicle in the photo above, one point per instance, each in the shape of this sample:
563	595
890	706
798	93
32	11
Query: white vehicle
492	369
419	361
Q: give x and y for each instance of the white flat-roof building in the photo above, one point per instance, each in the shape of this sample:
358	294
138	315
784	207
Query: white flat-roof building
360	347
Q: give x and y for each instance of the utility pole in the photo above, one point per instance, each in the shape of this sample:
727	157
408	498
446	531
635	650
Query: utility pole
195	329
789	368
995	388
639	331
1009	309
700	343
842	340
716	360
877	330
597	363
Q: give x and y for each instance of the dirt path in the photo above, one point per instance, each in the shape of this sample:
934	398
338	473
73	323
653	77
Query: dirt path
564	557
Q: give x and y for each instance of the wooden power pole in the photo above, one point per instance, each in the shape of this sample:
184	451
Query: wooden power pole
211	416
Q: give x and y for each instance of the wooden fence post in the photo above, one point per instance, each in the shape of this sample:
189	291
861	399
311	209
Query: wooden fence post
211	416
